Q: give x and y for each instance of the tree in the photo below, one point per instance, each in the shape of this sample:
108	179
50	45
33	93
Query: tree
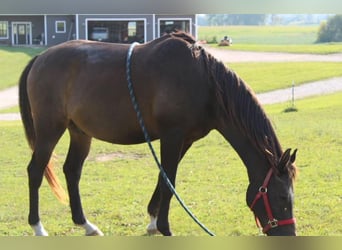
330	31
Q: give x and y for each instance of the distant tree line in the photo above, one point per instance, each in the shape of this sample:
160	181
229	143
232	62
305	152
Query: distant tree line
235	19
260	19
330	31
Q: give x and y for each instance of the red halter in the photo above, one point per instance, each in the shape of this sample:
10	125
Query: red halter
272	222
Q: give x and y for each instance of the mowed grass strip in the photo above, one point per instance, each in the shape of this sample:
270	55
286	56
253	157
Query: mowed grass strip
321	49
118	181
298	39
265	76
260	34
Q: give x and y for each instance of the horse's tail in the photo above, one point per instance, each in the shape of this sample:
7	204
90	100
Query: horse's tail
27	120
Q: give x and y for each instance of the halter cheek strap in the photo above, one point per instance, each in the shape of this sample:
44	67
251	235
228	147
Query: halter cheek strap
272	222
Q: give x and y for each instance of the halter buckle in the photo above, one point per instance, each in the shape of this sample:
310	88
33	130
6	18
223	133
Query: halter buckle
273	223
263	189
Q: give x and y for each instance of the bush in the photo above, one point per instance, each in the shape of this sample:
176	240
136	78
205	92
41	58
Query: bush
330	31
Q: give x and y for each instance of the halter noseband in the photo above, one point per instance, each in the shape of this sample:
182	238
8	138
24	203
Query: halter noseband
272	222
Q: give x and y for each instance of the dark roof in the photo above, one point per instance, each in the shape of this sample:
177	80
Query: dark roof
91	7
168	6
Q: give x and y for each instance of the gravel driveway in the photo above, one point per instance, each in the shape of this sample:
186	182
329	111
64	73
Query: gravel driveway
249	56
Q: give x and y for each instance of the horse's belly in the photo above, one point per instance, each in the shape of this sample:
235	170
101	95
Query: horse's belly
122	129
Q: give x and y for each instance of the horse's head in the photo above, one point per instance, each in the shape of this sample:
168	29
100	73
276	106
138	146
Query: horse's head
272	200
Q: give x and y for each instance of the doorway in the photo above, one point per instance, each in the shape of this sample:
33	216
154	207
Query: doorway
21	33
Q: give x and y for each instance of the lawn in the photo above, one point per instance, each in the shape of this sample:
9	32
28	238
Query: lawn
118	180
323	48
266	76
260	34
12	62
297	39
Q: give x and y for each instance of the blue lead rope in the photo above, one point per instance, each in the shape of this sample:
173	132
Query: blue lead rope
148	140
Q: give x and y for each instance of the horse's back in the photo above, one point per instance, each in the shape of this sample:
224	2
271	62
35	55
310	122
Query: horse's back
74	68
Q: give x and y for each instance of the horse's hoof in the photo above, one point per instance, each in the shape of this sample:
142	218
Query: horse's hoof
166	233
91	229
39	229
96	232
152	231
152	227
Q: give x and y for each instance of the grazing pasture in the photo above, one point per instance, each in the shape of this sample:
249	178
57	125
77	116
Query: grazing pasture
297	39
267	76
117	180
261	34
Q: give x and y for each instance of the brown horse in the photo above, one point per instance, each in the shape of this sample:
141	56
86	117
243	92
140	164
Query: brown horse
183	93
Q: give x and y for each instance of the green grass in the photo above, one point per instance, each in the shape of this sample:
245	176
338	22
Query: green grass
12	62
323	49
14	109
261	34
211	179
316	129
270	76
290	39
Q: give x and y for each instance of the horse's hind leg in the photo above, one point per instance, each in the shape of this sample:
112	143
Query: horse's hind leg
78	151
46	140
153	209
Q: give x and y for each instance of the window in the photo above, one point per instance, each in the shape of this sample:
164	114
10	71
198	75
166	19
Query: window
167	26
3	29
60	26
132	28
116	31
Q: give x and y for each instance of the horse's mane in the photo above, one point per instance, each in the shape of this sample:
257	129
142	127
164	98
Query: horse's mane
238	103
177	35
242	107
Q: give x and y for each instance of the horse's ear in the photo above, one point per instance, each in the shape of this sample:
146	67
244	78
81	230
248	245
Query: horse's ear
293	156
284	159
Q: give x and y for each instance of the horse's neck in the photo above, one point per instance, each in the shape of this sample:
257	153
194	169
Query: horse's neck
255	162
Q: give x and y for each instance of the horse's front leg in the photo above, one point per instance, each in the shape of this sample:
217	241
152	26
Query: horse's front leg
171	146
154	204
78	151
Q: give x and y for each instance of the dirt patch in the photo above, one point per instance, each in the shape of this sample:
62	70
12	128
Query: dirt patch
118	155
